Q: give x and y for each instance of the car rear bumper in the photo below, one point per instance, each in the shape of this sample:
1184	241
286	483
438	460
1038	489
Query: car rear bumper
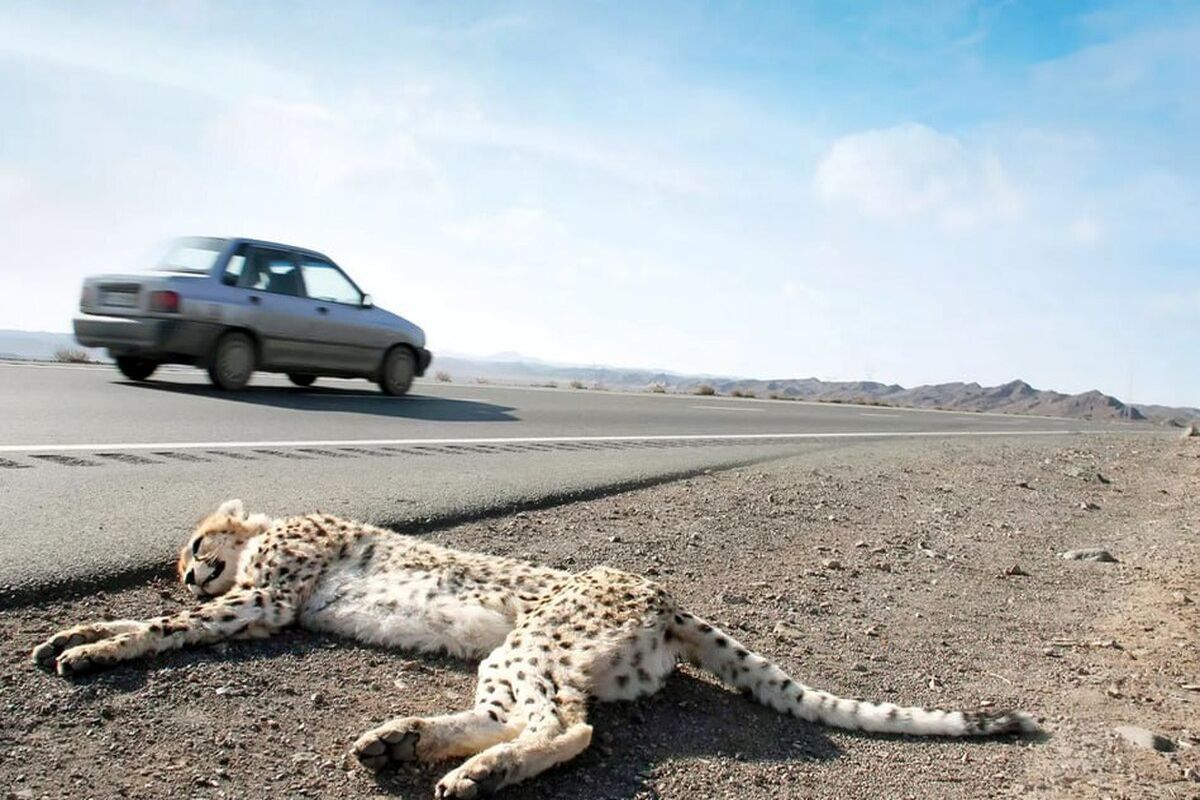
424	358
147	336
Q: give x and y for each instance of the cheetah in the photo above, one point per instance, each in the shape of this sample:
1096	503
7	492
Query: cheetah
549	640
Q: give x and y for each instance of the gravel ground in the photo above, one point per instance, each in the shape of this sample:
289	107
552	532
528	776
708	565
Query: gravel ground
924	573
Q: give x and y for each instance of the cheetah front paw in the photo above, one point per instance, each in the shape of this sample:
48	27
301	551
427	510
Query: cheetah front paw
471	780
47	653
390	744
85	658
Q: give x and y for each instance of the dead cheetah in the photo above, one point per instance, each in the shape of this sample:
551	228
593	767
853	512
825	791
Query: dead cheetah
550	640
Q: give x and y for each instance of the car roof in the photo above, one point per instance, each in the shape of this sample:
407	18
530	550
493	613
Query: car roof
236	240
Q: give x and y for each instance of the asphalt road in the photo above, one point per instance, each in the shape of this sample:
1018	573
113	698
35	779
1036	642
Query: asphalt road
100	478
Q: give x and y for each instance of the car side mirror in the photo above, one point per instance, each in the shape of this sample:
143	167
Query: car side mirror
368	301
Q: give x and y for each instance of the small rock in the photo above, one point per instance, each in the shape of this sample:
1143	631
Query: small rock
1088	505
858	666
1089	554
1024	485
1015	569
831	563
1192	774
784	631
1146	740
734	599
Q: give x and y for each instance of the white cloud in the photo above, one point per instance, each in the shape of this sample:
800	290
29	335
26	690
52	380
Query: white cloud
912	170
1085	231
317	147
38	34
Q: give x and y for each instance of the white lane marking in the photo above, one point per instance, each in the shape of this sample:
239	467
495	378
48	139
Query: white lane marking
724	408
670	437
876	414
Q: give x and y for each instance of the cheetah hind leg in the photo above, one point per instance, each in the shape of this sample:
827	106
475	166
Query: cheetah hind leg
430	738
512	762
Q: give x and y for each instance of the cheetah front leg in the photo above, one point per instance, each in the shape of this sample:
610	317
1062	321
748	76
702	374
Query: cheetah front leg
234	614
45	654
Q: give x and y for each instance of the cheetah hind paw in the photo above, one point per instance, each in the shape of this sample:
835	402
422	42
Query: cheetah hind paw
470	781
377	749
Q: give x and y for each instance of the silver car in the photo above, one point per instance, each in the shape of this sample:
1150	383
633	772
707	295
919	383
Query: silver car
234	306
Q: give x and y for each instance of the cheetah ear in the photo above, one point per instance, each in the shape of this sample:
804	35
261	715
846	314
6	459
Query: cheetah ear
258	522
232	508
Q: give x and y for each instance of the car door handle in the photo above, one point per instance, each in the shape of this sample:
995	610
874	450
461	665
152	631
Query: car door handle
255	299
322	310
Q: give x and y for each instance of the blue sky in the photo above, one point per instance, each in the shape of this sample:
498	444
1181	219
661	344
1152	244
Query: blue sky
909	192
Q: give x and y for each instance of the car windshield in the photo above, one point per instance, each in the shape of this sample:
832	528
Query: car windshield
194	255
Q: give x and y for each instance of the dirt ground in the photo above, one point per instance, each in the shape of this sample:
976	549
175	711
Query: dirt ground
921	573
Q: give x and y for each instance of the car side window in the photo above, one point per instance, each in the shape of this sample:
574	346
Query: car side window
324	281
270	271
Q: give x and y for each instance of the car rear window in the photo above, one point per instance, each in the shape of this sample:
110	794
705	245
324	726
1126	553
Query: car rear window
193	255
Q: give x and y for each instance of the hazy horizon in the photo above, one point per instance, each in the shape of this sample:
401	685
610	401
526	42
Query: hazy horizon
954	191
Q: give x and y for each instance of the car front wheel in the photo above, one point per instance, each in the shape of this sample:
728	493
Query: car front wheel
301	380
233	362
136	369
399	369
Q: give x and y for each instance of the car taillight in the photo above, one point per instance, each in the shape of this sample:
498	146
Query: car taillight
164	301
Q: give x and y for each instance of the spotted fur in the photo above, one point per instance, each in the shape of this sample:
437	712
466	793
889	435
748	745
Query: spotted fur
549	640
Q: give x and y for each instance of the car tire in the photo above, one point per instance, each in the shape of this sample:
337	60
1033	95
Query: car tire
301	380
136	369
399	369
233	362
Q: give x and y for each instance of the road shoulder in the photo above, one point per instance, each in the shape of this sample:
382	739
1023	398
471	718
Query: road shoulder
919	574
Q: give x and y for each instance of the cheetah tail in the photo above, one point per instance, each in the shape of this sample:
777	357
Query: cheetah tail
714	650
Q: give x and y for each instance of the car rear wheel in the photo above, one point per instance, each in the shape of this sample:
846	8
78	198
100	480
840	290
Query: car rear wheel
301	380
233	362
399	369
136	369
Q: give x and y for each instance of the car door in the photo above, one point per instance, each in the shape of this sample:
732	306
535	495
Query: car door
271	287
343	324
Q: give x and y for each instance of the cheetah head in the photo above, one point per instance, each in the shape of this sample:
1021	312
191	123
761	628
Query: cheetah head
208	562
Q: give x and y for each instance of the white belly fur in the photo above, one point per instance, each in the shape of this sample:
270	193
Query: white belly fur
396	610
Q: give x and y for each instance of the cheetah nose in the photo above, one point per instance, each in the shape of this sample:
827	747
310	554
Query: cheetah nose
189	578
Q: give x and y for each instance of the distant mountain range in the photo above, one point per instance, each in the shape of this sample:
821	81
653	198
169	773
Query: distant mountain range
1015	397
